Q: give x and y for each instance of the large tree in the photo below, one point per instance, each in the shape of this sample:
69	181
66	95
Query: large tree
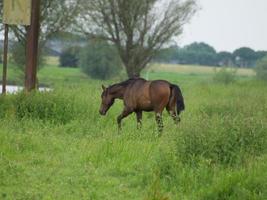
225	58
198	54
245	57
138	28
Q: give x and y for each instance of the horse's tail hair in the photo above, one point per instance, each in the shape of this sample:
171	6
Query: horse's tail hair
176	95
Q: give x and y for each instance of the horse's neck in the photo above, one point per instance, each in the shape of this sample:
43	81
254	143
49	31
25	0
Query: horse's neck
118	91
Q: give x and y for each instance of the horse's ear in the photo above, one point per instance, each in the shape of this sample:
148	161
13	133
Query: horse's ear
103	87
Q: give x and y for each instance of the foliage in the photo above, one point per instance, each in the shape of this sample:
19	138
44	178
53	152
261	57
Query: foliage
70	57
204	54
135	27
100	60
261	54
198	53
55	16
245	57
195	53
200	47
19	56
225	58
225	75
167	55
261	69
47	107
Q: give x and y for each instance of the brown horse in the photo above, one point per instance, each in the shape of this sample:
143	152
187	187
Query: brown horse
140	95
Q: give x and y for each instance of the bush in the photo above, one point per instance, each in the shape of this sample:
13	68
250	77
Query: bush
261	69
225	76
19	56
226	139
70	57
100	60
45	106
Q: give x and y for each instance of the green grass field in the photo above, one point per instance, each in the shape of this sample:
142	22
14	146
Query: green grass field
55	145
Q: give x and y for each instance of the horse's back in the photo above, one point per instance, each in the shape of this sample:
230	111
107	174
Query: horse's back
137	95
147	95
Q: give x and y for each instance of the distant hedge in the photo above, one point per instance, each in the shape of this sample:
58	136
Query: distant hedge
70	57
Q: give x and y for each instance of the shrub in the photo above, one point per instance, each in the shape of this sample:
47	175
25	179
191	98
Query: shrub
225	76
45	106
228	140
261	69
18	51
70	57
100	60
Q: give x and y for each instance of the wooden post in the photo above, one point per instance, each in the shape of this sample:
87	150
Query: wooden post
32	47
4	80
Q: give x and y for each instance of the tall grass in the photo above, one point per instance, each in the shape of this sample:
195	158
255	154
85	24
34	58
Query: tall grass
54	145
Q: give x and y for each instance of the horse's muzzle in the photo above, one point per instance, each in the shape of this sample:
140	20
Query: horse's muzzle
101	112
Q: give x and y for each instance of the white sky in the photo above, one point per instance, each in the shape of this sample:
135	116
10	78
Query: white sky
228	24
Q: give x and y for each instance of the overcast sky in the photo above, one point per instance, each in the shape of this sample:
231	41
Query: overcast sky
229	24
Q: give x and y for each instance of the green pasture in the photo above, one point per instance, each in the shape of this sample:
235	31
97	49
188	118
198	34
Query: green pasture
55	145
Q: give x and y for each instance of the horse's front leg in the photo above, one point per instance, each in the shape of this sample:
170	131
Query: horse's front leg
126	111
139	119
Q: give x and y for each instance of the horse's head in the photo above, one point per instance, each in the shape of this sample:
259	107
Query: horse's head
107	101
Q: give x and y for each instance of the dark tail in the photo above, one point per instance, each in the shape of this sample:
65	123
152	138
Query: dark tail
176	95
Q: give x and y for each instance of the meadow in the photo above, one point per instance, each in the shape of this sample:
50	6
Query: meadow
55	145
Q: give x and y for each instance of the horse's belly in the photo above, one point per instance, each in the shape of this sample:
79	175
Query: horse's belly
145	106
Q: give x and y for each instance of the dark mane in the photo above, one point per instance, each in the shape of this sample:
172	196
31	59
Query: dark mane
125	83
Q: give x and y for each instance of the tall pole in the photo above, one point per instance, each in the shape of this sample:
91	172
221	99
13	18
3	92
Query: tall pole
4	80
32	47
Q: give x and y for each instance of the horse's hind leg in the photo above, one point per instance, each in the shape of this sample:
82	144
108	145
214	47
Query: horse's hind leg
175	117
124	114
159	121
139	119
173	114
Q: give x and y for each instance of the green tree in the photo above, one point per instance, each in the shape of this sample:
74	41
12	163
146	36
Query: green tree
19	56
100	60
70	57
200	47
136	27
55	16
261	54
225	58
199	54
261	69
245	57
167	55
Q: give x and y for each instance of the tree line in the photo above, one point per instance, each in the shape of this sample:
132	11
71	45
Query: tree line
204	54
136	28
